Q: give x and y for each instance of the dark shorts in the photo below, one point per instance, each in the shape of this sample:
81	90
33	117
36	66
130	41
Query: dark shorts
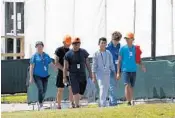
59	81
129	78
78	83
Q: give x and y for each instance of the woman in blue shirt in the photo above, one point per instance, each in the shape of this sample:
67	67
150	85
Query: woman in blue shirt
39	64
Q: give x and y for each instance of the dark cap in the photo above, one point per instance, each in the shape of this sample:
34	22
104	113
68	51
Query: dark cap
39	43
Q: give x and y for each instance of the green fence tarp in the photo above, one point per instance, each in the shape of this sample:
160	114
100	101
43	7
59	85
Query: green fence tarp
157	82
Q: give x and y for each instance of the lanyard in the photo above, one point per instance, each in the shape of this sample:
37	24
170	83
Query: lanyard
42	59
104	61
77	57
130	51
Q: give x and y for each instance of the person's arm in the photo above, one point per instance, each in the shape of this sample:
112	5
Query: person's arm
31	72
57	63
88	67
142	66
86	54
119	64
65	68
94	67
32	64
112	67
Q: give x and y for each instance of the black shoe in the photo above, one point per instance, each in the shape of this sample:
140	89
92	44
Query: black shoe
78	106
129	104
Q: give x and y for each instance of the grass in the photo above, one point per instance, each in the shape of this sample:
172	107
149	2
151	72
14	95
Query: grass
122	111
16	98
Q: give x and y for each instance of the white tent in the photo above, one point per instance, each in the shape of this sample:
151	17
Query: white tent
50	20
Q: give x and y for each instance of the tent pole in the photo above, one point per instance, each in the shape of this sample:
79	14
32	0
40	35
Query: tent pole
153	31
106	18
134	20
172	28
73	24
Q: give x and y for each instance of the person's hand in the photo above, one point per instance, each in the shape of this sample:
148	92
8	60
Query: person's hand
118	76
31	80
90	75
143	69
94	79
54	67
64	80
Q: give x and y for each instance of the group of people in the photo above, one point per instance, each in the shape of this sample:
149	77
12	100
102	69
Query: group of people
109	63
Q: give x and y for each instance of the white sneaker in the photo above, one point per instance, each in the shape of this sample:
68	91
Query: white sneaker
40	107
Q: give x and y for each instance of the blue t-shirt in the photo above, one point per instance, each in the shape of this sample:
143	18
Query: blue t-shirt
41	64
115	52
128	62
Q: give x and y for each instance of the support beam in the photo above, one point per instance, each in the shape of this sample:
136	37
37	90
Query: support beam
153	31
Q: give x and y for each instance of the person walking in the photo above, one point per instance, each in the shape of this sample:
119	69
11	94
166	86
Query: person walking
114	47
75	62
39	65
127	63
59	59
102	66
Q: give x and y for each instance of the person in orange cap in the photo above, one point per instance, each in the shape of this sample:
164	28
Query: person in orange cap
75	61
128	65
59	60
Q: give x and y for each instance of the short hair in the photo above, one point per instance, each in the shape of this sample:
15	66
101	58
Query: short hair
116	35
102	39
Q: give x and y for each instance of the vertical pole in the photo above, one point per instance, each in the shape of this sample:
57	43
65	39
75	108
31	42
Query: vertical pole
134	20
14	29
172	28
45	46
153	31
73	24
106	18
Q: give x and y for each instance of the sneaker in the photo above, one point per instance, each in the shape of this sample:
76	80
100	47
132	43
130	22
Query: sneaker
58	107
41	108
78	106
129	103
72	105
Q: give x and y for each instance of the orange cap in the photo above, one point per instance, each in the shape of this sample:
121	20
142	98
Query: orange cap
76	40
129	36
67	40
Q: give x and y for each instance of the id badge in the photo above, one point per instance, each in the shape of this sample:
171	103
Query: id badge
116	62
130	54
78	66
45	68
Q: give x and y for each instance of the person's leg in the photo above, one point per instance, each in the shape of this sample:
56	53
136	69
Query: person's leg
39	85
71	97
103	90
72	105
106	87
126	78
75	89
113	90
82	86
59	97
100	92
45	82
132	81
60	86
